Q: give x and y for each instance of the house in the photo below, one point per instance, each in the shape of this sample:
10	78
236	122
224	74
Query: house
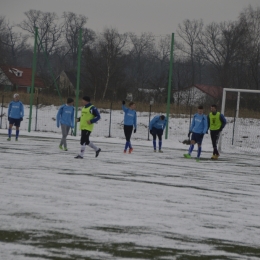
67	81
198	94
18	79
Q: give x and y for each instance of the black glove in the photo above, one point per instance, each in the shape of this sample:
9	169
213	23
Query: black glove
189	134
123	102
21	119
8	118
135	130
220	129
151	132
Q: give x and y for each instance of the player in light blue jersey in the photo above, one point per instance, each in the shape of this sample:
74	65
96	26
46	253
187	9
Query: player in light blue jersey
15	116
130	120
198	128
65	119
157	126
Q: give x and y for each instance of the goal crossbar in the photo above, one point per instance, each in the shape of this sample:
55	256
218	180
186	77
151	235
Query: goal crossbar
225	90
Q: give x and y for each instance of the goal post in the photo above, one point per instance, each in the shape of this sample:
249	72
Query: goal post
236	116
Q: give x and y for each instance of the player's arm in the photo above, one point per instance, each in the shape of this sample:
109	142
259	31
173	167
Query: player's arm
223	121
96	115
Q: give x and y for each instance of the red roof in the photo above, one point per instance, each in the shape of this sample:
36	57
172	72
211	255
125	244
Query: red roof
25	77
213	91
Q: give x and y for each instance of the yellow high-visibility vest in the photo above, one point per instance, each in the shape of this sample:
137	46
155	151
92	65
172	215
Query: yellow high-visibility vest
86	116
214	121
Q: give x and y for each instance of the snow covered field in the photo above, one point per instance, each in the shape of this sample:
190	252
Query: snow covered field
143	205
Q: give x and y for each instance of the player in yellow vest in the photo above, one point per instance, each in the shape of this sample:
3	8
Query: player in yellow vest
89	116
216	123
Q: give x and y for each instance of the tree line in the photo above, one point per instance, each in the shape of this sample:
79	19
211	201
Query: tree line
225	54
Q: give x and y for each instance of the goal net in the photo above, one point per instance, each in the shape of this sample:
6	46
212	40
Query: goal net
241	108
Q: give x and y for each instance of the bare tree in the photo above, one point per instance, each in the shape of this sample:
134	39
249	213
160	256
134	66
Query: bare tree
219	45
111	46
72	25
250	20
49	32
190	32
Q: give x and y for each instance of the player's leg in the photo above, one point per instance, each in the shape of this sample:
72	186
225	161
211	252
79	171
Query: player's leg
11	123
154	138
90	144
192	143
128	132
199	142
83	141
159	134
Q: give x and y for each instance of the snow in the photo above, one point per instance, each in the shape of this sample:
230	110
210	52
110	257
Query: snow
143	205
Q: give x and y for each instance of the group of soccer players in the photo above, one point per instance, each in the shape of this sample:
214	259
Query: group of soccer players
200	125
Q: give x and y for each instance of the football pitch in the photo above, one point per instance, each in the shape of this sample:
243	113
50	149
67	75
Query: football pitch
143	205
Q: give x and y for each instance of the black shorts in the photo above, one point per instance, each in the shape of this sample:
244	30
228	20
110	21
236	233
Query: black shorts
14	121
197	138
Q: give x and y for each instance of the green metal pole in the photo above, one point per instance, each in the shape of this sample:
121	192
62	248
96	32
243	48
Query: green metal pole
169	87
33	77
48	62
78	79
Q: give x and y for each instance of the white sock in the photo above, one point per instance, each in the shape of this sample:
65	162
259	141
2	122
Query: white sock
82	151
92	146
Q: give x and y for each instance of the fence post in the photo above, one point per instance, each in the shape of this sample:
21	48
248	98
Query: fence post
151	103
36	117
2	111
110	119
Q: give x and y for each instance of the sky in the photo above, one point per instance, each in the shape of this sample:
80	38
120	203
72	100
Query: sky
159	17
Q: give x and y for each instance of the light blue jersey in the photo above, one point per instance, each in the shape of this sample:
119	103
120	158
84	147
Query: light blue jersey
130	116
16	110
157	123
65	116
199	124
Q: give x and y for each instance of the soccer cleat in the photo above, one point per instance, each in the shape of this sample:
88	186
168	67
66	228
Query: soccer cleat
65	149
131	150
186	155
16	139
60	146
154	150
78	157
9	139
197	159
214	157
124	151
160	151
97	152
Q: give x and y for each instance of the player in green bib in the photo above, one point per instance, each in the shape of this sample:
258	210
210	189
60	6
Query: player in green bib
89	116
216	123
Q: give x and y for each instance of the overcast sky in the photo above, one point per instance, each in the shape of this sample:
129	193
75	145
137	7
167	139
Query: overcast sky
157	16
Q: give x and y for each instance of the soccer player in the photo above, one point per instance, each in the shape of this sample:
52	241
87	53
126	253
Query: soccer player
15	116
129	124
198	128
89	116
216	123
157	126
65	119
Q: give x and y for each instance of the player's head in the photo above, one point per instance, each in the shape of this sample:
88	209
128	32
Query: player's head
162	117
70	101
132	105
85	100
16	97
213	108
200	109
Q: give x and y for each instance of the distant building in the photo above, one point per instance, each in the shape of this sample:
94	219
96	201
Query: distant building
18	79
67	82
198	94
